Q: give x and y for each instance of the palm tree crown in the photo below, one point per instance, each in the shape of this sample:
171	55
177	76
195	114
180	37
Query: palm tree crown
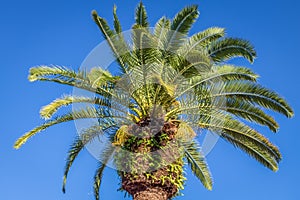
168	80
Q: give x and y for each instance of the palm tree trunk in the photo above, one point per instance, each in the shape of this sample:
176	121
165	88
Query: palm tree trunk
157	184
141	187
151	193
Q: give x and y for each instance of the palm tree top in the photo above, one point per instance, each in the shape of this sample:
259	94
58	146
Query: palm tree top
185	82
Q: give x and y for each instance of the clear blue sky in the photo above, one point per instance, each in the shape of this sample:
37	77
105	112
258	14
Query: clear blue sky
61	32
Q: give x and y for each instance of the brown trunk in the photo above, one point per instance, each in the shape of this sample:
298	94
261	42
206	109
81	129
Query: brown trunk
145	183
141	187
151	193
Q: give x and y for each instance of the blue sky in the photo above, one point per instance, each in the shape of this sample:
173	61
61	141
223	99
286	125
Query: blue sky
62	32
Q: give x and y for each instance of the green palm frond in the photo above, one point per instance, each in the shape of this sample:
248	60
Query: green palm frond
249	112
241	91
121	45
218	76
198	164
242	109
200	40
161	32
47	111
117	24
141	18
86	113
77	146
35	73
180	26
228	48
255	152
142	39
231	72
105	157
98	77
142	45
191	65
101	84
184	19
255	93
243	136
110	36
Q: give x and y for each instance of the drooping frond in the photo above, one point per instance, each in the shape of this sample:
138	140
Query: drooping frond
228	48
200	40
47	111
98	80
256	93
191	65
250	92
77	146
240	135
198	164
255	152
249	112
231	72
95	77
219	75
105	157
86	113
35	73
238	108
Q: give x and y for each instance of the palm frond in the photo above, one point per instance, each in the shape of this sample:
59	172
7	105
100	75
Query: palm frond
255	152
190	65
249	112
35	73
141	18
184	19
117	24
180	26
101	84
243	109
161	30
231	72
200	40
86	113
219	75
252	142
228	48
110	37
98	77
105	157
47	111
198	164
77	146
255	93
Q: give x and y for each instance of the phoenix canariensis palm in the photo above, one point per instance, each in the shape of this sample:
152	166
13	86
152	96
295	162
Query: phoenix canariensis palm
168	88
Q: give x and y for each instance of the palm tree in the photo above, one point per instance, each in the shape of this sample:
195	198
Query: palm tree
169	89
